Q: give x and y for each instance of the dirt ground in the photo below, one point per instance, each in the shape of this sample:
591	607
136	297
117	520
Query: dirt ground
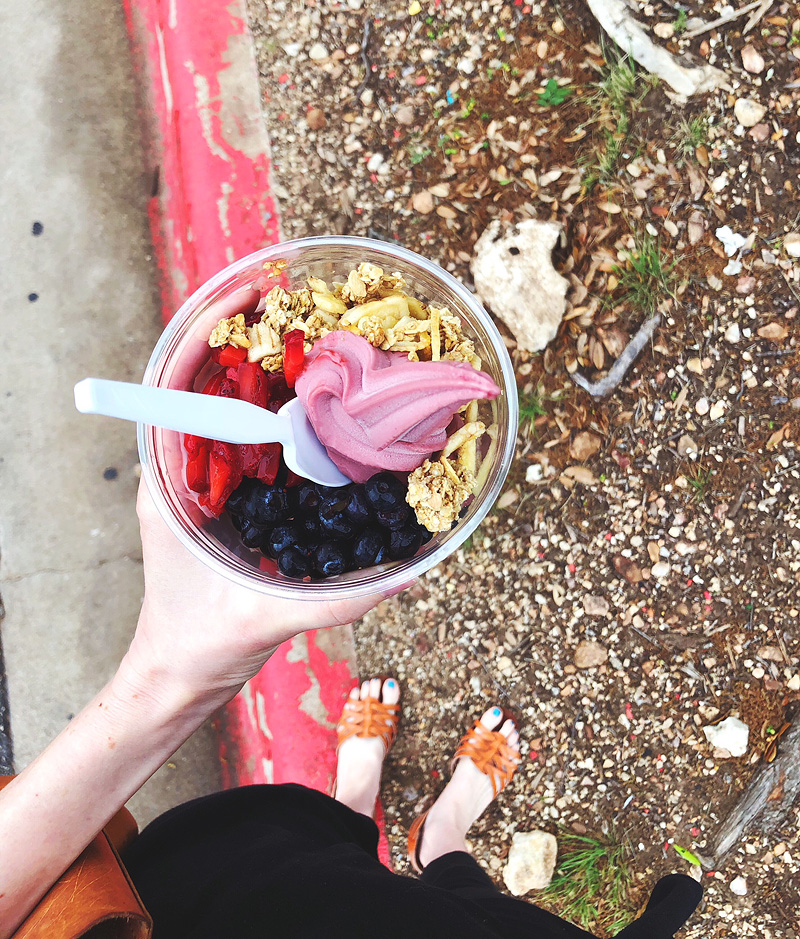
657	527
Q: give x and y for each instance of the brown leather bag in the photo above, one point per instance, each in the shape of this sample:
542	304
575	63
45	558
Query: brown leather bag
94	897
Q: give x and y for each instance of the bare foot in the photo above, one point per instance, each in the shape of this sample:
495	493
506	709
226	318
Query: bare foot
463	800
360	759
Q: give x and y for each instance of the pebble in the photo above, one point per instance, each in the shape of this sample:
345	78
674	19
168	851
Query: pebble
595	606
660	569
791	244
375	162
748	112
687	446
405	115
318	52
422	202
534	473
590	654
316	119
531	861
752	60
466	65
733	334
730	735
739	886
717	410
664	30
702	406
794	682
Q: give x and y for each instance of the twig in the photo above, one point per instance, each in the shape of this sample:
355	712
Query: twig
721	20
756	17
599	389
365	57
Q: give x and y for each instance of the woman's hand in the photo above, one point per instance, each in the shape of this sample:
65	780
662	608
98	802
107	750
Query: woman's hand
204	633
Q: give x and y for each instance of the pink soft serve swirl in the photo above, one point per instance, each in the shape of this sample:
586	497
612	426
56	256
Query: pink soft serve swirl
375	410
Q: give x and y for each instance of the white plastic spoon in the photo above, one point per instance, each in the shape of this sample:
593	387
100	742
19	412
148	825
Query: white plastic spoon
225	419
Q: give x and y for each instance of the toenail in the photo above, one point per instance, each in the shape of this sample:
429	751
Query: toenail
496	712
390	683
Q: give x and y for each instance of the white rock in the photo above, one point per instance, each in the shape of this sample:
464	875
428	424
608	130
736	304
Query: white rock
794	683
739	886
791	244
375	162
752	60
465	65
664	30
534	473
514	276
702	406
748	112
731	735
733	334
292	49
590	654
717	410
731	240
318	52
595	606
660	569
732	268
531	861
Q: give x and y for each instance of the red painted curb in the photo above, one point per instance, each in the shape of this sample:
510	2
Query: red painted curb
212	203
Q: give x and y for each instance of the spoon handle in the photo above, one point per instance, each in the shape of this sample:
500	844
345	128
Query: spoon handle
225	419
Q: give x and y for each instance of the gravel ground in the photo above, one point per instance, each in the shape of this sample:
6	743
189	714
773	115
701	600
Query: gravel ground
638	578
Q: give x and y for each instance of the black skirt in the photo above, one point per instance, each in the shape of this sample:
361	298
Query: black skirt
268	862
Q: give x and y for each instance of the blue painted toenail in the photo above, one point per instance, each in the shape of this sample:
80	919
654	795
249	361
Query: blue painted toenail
496	712
390	683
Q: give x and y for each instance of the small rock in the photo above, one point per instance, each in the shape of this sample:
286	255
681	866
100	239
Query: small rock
773	331
466	65
696	227
660	569
375	162
717	410
794	682
733	334
687	446
732	268
759	133
590	654
318	52
595	606
316	119
702	406
731	241
534	473
748	112
791	244
746	285
292	49
422	202
428	55
405	115
770	653
514	276
628	569
752	60
739	884
664	30
531	861
695	365
731	735
584	446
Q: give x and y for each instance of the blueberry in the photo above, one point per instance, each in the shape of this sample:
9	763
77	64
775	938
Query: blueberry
252	535
329	559
236	499
394	520
340	491
238	521
357	508
405	542
309	525
425	534
293	562
281	538
385	493
332	517
370	548
308	497
266	505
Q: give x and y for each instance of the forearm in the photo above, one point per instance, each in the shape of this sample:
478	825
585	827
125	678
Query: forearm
61	801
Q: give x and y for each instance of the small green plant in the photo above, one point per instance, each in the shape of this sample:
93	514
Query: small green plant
417	154
591	884
690	135
602	164
531	406
553	94
700	482
646	277
468	109
679	26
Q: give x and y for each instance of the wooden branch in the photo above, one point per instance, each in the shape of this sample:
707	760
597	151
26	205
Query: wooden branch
768	799
722	20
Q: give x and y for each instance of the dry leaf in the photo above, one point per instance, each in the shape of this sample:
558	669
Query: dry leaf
773	331
777	437
580	474
609	207
614	339
444	211
585	445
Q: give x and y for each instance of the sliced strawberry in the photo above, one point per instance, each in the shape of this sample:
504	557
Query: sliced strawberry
224	473
252	383
293	355
197	469
229	355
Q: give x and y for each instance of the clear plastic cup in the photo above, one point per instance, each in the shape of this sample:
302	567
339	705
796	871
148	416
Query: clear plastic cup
182	352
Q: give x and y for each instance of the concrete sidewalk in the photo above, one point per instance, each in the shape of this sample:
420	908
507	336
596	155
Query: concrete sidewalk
80	298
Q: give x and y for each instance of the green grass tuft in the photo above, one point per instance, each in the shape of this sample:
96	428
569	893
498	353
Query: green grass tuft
647	276
690	135
592	883
700	482
531	406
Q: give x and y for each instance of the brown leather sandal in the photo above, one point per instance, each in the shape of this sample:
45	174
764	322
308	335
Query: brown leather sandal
494	756
369	717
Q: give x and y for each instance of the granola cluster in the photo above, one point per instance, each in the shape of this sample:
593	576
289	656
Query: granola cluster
373	304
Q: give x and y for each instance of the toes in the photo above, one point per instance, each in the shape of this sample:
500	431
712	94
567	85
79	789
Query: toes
508	729
491	719
375	688
355	693
364	690
391	691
